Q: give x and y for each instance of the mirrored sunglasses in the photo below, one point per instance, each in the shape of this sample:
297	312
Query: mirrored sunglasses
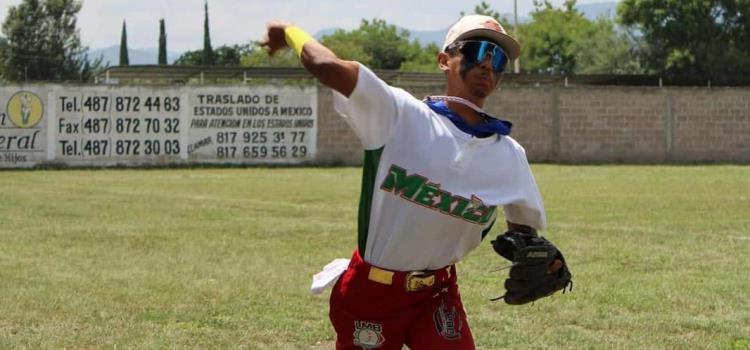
476	51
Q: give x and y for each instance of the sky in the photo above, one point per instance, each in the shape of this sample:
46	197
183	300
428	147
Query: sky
240	21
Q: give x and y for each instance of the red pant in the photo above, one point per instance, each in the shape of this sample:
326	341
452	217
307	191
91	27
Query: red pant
374	315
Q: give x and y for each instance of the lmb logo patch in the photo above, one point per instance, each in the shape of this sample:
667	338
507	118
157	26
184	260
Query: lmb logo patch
448	322
368	335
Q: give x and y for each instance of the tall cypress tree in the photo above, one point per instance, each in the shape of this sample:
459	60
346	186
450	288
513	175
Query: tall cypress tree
208	52
124	60
162	44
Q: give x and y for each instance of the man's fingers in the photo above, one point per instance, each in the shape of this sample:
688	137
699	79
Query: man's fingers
275	38
266	44
269	46
555	266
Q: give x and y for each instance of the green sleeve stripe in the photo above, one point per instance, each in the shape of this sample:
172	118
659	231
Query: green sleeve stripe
487	230
369	173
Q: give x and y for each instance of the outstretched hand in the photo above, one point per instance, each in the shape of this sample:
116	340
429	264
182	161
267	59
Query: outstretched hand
275	38
321	62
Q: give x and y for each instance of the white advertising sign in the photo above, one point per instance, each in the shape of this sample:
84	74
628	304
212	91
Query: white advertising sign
268	125
129	126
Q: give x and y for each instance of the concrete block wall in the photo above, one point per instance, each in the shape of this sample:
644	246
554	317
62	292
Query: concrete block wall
611	125
337	143
617	124
711	125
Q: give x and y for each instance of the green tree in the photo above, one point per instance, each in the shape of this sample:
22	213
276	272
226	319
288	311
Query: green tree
691	36
43	42
375	43
230	55
422	59
190	58
3	55
223	56
563	41
208	52
484	8
258	57
348	45
601	49
124	55
162	43
547	40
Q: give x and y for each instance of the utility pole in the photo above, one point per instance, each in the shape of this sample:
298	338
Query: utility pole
517	62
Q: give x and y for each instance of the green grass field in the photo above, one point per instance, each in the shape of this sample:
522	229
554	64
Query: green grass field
223	258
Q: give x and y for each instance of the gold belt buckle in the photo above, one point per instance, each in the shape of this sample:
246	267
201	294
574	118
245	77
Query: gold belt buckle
419	280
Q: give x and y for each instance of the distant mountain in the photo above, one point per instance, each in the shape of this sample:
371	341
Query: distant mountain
323	32
590	11
150	55
136	56
426	37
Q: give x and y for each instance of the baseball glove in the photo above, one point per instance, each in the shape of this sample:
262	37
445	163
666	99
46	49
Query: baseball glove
530	278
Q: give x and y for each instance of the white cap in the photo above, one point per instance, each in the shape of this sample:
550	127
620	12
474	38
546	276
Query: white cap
485	27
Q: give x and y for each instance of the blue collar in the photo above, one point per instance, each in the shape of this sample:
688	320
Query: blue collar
489	127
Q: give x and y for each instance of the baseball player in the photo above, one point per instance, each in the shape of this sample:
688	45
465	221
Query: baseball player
436	173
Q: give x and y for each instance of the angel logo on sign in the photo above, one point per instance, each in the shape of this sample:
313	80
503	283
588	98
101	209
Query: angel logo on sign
25	109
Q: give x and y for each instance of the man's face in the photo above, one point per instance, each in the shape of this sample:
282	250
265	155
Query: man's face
468	76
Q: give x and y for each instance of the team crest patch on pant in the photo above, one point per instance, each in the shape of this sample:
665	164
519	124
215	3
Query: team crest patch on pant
368	335
447	322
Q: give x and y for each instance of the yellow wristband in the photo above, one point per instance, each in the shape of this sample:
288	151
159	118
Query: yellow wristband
296	38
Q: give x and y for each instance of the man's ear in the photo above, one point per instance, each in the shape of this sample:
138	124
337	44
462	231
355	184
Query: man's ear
442	59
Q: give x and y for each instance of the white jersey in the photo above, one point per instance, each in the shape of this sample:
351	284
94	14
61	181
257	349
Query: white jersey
430	192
